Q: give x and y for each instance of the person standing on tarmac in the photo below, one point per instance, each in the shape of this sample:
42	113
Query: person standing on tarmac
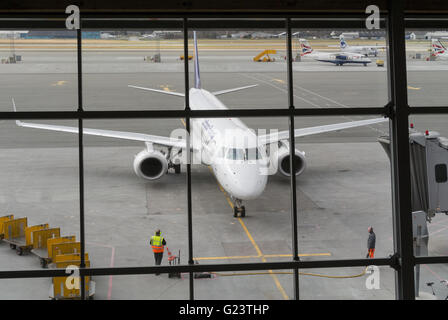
371	243
157	243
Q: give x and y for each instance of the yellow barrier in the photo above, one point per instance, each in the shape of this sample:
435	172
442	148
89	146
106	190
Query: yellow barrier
2	221
40	237
29	232
65	288
62	245
15	228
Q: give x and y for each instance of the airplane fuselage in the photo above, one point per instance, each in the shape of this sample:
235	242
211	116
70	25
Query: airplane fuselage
217	138
340	58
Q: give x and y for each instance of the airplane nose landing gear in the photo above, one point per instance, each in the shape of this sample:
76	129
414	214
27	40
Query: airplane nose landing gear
238	208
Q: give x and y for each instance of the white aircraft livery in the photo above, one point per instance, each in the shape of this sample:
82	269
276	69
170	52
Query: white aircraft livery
365	50
338	58
238	157
438	50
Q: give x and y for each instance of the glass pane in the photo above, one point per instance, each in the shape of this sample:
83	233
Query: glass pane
25	289
243	285
429	159
38	70
339	68
345	188
426	67
132	189
354	283
39	191
121	67
239	208
141	287
431	282
233	59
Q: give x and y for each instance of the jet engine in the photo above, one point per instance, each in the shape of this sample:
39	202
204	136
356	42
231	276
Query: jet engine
150	164
281	157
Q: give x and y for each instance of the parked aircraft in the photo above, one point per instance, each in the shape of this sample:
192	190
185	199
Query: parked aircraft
439	50
365	50
338	58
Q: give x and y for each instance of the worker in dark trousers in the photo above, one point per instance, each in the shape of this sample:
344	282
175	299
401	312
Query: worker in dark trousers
371	243
157	243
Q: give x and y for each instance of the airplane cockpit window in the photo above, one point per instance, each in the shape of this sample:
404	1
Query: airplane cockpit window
235	154
252	154
243	154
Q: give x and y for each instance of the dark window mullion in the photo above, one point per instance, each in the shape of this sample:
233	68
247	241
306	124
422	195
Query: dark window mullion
81	158
188	151
295	252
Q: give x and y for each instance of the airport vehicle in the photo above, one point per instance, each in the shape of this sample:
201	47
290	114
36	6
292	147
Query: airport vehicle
236	155
261	56
338	58
439	50
365	50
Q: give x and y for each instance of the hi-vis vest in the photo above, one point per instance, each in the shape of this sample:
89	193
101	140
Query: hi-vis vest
157	244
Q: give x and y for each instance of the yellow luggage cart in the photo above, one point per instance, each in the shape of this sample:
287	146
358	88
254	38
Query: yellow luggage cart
15	234
40	239
2	221
67	288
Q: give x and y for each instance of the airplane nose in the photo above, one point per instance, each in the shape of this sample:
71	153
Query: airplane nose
248	184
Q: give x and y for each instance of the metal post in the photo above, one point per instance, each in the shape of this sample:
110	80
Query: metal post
417	254
400	160
292	148
187	121
81	160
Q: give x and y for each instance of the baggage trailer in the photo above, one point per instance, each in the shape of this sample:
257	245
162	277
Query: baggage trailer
15	235
58	249
61	245
40	238
69	288
2	221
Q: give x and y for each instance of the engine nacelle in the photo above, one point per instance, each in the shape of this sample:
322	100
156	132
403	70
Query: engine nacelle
150	164
281	157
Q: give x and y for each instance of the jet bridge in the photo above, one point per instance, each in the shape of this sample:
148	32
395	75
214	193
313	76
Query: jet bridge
429	163
429	184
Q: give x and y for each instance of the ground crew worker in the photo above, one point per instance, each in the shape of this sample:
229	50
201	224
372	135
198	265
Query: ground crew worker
371	243
157	243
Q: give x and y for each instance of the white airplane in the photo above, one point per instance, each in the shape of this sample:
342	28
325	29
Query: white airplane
241	169
338	58
365	50
439	50
157	34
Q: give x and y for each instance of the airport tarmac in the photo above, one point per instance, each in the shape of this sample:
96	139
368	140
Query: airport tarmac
345	189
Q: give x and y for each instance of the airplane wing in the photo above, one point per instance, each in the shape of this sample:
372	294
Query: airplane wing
284	135
164	141
160	91
216	93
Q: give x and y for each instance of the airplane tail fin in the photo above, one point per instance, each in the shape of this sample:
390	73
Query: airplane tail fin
305	46
437	47
343	44
197	76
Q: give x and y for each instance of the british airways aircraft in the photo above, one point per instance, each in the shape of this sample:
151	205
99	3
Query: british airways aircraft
338	58
438	50
365	50
236	155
